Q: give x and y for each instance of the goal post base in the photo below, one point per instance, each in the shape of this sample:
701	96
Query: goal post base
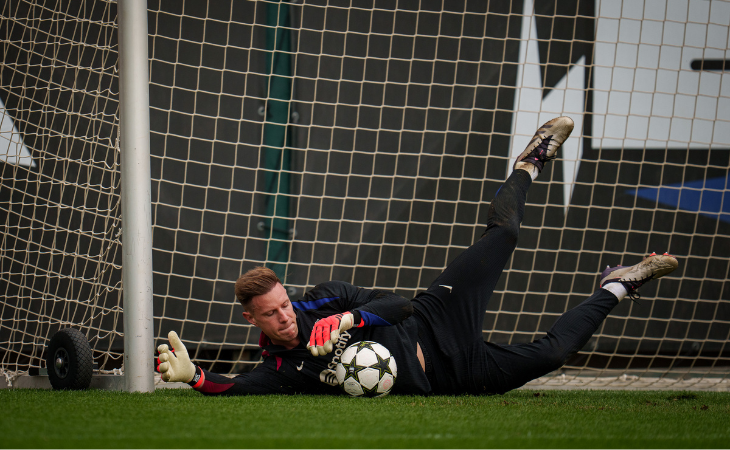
107	382
627	382
101	381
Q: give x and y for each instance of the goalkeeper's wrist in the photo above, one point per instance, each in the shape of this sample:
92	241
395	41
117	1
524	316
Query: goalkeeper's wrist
357	321
198	378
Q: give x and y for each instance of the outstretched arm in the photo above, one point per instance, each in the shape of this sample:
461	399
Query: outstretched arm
260	381
175	366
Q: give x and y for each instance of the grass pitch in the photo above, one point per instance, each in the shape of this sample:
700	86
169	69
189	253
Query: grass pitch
186	419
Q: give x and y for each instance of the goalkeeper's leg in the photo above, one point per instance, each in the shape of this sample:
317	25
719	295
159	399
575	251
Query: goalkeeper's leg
452	309
511	366
455	302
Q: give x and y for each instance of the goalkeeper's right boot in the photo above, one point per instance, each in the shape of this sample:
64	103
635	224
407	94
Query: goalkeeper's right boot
544	144
631	278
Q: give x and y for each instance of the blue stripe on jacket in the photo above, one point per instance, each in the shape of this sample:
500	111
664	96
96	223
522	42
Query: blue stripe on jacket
313	304
373	320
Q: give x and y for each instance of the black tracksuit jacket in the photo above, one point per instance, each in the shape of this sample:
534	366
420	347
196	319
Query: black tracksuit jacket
387	320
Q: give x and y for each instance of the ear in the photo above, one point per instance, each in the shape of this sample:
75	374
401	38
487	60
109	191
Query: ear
249	318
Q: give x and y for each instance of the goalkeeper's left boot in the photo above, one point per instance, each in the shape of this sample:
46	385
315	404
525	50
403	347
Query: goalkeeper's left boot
544	145
620	278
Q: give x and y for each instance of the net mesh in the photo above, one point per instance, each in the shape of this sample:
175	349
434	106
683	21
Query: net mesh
60	179
362	142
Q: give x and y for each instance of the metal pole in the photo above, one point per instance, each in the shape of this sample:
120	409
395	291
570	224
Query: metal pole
134	125
277	135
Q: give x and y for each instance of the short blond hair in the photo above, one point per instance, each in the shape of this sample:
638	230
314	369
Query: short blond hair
257	281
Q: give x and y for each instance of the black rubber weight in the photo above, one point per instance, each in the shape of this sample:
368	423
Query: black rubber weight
75	366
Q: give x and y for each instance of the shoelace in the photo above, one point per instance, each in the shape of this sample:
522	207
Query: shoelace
633	292
540	152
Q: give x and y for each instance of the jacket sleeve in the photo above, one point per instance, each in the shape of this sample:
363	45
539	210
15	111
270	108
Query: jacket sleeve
370	307
264	379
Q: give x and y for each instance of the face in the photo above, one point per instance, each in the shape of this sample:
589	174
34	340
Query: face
274	314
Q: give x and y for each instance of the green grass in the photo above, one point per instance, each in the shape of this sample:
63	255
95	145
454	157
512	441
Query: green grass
186	419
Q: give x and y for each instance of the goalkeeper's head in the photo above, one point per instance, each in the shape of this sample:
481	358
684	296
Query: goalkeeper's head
267	306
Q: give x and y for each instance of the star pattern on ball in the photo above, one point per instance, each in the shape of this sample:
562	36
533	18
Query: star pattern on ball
365	344
383	365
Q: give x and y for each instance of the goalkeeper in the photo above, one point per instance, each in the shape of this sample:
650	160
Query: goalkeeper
436	338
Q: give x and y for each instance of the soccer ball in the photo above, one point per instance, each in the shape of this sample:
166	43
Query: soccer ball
366	369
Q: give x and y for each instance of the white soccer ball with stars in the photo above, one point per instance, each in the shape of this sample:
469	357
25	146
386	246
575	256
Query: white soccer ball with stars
366	369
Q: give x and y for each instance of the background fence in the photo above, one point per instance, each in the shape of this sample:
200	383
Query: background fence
363	141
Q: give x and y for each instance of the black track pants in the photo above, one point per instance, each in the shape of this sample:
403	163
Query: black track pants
450	313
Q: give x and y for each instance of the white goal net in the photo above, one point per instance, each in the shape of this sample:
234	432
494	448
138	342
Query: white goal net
361	141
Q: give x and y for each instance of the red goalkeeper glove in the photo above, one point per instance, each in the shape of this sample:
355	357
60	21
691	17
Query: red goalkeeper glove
326	332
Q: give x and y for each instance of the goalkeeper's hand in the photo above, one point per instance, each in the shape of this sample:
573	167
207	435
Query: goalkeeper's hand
326	332
175	366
